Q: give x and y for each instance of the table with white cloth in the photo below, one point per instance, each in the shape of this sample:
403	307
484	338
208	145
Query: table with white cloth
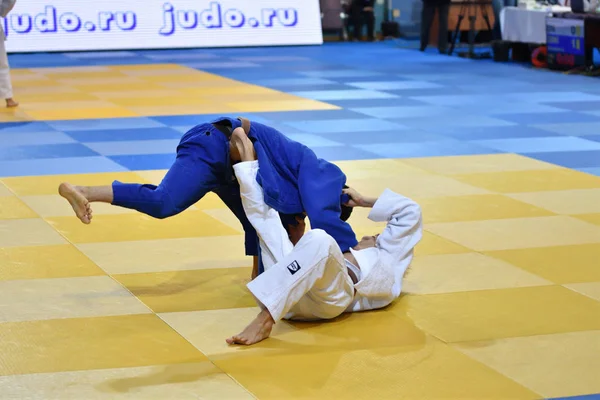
523	25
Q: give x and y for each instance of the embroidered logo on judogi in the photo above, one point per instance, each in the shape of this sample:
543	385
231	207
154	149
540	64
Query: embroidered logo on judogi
293	267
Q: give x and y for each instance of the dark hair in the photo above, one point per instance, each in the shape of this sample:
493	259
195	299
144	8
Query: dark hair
346	211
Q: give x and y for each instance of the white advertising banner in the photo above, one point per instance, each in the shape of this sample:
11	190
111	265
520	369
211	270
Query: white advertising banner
73	25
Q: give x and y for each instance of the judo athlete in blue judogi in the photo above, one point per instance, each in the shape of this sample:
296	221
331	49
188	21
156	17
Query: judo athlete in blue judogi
293	180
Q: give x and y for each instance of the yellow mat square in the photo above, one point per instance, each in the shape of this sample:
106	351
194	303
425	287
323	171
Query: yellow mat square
378	169
532	181
82	113
175	381
561	365
4	191
53	205
590	289
38	299
28	232
389	372
125	227
13	208
91	343
44	185
476	207
455	165
567	202
432	244
207	289
592	218
559	264
519	233
39	262
496	314
464	272
168	254
422	185
346	333
184	91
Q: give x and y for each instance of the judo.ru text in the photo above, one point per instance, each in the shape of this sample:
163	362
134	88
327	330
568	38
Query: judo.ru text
216	17
51	21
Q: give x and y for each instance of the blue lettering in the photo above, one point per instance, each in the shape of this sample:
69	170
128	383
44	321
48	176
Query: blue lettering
268	15
168	20
211	18
126	21
187	19
46	23
104	20
20	23
287	17
234	18
70	22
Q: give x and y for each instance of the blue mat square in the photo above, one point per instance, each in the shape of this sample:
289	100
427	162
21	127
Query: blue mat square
59	166
343	153
395	85
104	124
325	95
45	152
548	118
345	125
492	132
25	127
314	115
387	137
135	147
438	123
406	112
578	105
511	108
428	149
572	129
397	102
33	139
313	140
551	97
570	159
341	73
540	145
114	135
145	162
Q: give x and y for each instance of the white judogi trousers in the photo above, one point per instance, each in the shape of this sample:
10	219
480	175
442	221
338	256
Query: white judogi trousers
5	84
306	282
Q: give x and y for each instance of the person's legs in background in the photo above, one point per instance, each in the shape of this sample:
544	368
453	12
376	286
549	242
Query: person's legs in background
426	20
357	21
5	84
443	10
369	17
497	5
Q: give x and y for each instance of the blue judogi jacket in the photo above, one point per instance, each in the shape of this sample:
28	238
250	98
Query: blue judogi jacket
293	179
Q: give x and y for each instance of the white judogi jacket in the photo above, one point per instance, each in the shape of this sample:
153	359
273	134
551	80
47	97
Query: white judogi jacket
310	281
6	6
383	267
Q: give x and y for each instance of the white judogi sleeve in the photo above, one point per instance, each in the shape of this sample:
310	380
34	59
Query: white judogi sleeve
395	245
274	240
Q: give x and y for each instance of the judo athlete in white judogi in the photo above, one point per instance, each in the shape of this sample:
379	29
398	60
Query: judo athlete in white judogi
314	280
6	91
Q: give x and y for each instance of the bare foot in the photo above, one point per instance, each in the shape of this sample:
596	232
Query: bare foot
257	331
11	102
76	197
242	146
